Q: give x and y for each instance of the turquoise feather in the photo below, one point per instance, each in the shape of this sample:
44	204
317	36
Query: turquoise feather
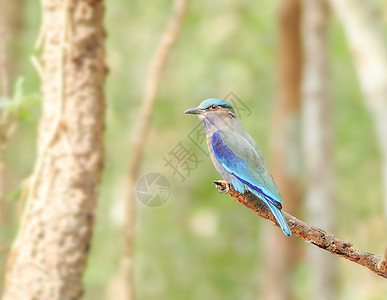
237	157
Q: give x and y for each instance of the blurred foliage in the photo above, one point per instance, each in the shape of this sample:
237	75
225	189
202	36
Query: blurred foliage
21	106
202	245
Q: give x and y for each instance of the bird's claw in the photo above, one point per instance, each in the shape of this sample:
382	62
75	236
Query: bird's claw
222	186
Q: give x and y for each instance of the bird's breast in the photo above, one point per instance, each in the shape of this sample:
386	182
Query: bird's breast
218	166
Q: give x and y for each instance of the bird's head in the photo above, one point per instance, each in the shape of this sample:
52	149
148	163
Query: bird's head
213	111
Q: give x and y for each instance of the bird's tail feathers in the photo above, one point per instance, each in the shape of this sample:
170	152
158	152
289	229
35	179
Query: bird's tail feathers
275	211
279	217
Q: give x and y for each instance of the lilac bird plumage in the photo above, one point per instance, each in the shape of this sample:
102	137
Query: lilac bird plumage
236	156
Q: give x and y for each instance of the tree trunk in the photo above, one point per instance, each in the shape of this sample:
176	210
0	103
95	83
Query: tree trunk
49	255
11	25
121	286
369	49
286	147
316	110
11	21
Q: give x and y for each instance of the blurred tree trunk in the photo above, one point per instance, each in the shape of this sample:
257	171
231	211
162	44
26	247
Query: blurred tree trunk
367	41
286	146
11	22
122	284
11	25
49	255
317	143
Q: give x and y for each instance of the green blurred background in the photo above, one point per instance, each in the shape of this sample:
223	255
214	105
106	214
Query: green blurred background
201	244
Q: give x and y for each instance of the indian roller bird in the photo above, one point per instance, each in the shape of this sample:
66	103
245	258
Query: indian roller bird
237	157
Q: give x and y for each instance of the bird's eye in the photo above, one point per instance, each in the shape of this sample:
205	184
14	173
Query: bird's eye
213	107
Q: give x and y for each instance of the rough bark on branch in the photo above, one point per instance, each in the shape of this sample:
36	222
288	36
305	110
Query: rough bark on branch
313	235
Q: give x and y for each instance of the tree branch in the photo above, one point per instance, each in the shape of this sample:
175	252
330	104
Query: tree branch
123	281
316	236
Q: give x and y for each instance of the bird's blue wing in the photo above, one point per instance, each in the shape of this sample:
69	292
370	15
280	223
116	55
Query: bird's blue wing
241	159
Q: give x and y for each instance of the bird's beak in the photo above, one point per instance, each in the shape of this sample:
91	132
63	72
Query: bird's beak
194	111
